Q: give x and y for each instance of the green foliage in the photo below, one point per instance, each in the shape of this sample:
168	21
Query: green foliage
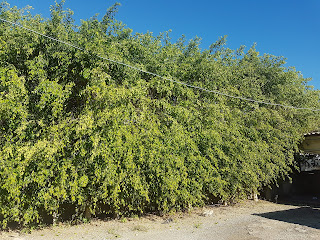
80	134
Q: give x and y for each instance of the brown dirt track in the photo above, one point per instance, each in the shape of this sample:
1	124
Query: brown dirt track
247	220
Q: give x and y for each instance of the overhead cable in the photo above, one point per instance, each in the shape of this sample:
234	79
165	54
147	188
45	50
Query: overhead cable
157	75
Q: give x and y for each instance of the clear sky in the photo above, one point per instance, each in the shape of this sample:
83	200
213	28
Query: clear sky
289	28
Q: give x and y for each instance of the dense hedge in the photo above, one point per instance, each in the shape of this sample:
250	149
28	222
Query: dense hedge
82	134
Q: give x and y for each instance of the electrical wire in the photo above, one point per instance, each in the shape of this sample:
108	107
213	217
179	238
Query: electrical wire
157	75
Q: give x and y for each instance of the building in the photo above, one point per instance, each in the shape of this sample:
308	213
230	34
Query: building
310	158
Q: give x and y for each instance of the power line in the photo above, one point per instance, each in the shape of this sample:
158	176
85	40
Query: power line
157	75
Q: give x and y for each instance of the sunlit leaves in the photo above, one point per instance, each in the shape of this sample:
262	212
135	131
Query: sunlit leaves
85	133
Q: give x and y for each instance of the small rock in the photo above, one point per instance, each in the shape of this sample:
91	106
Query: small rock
207	213
300	230
168	220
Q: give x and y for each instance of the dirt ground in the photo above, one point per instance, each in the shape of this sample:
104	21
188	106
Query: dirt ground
248	220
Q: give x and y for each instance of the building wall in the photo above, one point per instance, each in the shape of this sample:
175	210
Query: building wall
311	144
310	159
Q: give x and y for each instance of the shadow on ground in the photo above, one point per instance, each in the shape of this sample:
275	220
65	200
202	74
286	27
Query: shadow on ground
306	216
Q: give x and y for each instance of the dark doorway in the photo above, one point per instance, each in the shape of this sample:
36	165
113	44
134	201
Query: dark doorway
304	190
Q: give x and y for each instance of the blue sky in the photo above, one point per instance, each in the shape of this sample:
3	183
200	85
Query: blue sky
289	28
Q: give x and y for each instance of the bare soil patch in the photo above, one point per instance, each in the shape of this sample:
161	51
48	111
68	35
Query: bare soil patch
247	220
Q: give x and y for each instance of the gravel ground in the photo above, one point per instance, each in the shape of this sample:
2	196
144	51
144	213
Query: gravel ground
248	220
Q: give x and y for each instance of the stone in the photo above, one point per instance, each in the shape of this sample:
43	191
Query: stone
207	213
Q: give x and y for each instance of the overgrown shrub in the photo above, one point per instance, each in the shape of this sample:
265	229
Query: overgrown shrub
81	133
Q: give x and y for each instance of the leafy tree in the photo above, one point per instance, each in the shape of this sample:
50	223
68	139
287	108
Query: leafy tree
81	134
